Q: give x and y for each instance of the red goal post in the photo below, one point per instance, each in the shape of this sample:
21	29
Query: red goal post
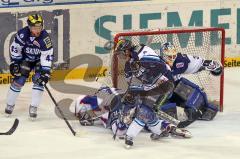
208	43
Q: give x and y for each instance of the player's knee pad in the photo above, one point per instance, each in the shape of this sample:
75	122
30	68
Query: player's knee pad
25	68
170	109
18	83
146	115
35	77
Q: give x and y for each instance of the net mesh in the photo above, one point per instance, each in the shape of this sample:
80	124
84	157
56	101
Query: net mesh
205	43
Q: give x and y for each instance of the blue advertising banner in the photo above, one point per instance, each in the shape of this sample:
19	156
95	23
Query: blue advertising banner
25	3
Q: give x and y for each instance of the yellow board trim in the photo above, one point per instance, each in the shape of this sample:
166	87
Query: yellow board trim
232	62
57	75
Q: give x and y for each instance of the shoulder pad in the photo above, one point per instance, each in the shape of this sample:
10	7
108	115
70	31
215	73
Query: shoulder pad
45	41
22	35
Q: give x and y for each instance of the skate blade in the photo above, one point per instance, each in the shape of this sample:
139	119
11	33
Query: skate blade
127	147
32	118
81	133
7	115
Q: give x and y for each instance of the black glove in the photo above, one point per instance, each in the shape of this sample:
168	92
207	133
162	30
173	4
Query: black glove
44	78
15	69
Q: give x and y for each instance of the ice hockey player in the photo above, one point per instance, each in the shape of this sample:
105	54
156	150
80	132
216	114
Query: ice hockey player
187	94
126	118
143	63
31	50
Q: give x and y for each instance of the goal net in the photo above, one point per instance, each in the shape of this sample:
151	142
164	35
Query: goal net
207	43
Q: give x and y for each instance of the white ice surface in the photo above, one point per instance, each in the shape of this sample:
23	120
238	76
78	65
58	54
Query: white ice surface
49	137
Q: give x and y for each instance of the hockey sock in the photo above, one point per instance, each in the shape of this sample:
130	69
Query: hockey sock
12	95
37	93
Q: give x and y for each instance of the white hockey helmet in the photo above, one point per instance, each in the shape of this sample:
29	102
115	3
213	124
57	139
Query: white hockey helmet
168	52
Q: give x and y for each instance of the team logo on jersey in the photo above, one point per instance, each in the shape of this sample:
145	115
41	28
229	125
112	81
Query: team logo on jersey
179	65
32	38
33	51
21	35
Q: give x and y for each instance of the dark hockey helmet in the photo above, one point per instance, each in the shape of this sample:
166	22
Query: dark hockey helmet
130	99
123	45
35	20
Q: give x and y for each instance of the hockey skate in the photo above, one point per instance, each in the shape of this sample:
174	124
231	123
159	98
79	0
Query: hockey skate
9	110
32	112
128	142
182	133
157	137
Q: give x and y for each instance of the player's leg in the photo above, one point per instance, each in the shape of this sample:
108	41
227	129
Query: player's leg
37	93
13	93
133	130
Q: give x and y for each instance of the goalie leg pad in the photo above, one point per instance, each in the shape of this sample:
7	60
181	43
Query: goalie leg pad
209	113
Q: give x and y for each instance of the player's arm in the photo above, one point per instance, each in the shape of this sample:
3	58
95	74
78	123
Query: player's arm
197	64
46	60
16	54
147	87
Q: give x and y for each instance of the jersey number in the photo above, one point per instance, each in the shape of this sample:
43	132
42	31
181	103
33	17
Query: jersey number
49	58
15	50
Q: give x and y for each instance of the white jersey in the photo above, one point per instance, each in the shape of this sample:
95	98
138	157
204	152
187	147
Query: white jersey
146	51
186	64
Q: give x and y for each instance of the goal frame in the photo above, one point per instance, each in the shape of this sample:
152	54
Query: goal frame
158	32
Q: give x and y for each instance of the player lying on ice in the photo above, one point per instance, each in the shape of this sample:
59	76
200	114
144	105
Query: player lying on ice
187	94
126	116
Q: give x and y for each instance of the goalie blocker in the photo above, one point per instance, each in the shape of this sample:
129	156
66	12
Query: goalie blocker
194	101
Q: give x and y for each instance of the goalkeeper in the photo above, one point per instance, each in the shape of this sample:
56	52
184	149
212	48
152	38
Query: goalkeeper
187	94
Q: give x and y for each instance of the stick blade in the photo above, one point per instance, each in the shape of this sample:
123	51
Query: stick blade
13	128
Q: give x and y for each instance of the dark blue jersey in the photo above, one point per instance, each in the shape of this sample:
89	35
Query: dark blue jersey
33	49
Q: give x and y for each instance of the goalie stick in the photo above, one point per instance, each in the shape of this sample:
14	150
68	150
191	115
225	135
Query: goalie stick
13	128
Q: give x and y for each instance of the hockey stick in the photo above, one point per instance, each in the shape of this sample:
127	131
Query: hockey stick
13	128
60	111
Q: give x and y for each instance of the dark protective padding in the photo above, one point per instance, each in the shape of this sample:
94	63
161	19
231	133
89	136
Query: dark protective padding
183	90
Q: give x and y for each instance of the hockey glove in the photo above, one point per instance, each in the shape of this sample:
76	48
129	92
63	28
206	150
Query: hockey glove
213	66
44	78
15	69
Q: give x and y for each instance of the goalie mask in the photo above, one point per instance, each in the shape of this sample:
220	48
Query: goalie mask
168	52
130	99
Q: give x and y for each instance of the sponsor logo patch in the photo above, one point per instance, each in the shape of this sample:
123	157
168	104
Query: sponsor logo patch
179	65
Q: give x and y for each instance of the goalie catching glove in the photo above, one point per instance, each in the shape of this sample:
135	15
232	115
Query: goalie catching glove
213	66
